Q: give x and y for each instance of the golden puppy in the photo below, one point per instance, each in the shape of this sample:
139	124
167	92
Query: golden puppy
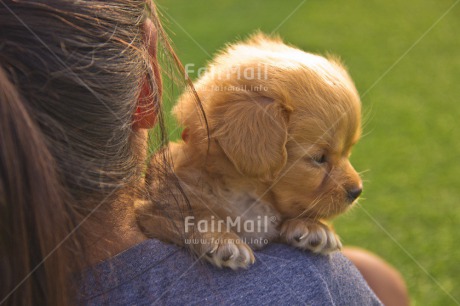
281	126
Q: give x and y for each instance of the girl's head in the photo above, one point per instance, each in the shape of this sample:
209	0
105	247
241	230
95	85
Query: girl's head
78	83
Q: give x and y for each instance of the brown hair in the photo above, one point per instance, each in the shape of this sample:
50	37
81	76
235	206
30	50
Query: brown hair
70	73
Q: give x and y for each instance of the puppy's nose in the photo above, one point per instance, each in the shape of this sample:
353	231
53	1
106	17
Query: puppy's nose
354	193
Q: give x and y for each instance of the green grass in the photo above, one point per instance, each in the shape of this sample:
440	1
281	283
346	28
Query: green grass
411	212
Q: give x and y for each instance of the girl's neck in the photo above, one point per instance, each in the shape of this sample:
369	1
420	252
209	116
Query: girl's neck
111	233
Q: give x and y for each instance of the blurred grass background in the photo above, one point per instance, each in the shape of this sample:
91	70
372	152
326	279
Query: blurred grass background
411	151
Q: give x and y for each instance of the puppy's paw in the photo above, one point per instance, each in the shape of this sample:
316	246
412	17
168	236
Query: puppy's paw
227	250
310	235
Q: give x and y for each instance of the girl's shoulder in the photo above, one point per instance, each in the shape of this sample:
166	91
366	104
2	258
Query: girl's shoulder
157	273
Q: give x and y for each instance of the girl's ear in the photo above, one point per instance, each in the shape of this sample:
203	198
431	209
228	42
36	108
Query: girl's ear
150	95
146	111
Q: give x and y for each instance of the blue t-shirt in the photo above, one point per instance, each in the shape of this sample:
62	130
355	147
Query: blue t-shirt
157	273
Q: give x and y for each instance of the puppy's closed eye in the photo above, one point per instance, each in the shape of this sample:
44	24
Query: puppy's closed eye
319	159
315	158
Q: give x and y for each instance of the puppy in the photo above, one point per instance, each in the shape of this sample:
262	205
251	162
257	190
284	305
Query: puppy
269	162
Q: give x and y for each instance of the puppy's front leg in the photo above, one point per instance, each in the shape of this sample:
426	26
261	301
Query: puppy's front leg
311	235
222	249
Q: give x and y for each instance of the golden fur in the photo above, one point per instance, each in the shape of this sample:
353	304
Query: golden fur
282	123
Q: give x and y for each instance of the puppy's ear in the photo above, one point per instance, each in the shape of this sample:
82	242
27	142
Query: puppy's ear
253	132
